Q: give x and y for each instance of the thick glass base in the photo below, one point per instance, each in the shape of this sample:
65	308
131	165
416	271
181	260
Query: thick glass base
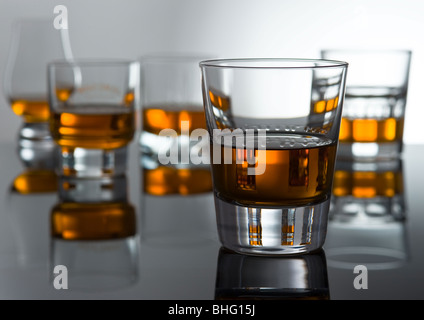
81	162
272	230
369	151
35	131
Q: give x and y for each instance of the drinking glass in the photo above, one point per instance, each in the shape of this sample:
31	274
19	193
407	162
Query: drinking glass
374	110
172	109
93	105
272	151
34	44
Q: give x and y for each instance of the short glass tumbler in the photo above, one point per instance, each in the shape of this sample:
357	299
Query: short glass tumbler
375	102
93	105
273	150
171	103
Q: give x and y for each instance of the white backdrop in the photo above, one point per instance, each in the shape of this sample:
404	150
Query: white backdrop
230	28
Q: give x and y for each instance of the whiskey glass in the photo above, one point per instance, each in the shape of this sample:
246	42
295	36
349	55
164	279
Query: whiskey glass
373	117
93	105
172	109
272	149
34	44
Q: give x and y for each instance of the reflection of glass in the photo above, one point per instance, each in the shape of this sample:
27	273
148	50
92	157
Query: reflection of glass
172	100
34	44
166	180
93	114
178	220
30	197
283	278
375	101
93	230
273	154
367	216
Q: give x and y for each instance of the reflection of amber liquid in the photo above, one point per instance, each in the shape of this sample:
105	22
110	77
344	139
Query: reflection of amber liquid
165	180
93	221
371	130
169	180
325	105
157	118
63	94
107	127
31	109
292	176
367	184
219	101
221	105
35	181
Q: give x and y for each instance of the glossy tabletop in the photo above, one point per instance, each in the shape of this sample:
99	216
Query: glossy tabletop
176	254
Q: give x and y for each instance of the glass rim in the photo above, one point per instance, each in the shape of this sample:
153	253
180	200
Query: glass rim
273	63
72	63
174	57
367	51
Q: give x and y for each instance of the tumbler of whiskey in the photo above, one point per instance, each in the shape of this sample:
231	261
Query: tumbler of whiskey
374	110
172	110
272	154
34	43
93	106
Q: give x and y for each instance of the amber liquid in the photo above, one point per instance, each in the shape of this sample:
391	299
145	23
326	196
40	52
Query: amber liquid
107	127
31	109
371	130
93	221
295	176
322	106
169	180
35	181
157	118
166	180
367	184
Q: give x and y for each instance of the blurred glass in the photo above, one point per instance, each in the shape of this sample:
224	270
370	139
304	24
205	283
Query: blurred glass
31	194
375	102
171	96
93	105
367	216
177	220
94	233
34	44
